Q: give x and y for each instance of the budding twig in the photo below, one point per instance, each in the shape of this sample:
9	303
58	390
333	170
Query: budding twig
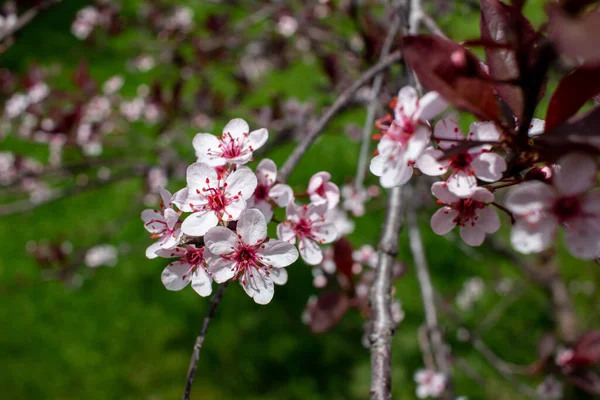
214	303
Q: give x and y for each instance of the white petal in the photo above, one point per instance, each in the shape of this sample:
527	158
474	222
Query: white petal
174	275
429	165
180	199
266	172
528	197
241	183
318	179
447	129
396	177
530	238
171	217
152	249
591	203
536	127
417	143
472	235
154	221
278	253
324	232
488	220
237	128
256	139
220	240
205	143
377	165
462	184
197	175
258	285
263	206
279	276
310	252
407	102
241	159
576	174
165	197
440	190
489	167
201	282
234	209
281	194
286	233
197	224
482	195
252	227
583	238
484	132
443	221
221	269
430	106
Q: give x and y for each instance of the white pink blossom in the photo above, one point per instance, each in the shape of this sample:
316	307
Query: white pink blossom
211	198
429	383
163	224
550	389
320	188
366	255
539	209
307	226
190	268
247	255
267	192
471	214
354	199
104	254
476	163
235	146
406	137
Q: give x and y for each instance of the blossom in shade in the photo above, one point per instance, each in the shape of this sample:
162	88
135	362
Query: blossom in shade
247	256
163	224
365	255
471	214
211	198
550	389
354	199
539	209
475	163
320	188
406	137
104	254
189	268
429	383
235	146
307	226
267	192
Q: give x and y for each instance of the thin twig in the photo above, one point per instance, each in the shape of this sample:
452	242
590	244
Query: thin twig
27	17
214	303
339	103
381	324
438	346
372	108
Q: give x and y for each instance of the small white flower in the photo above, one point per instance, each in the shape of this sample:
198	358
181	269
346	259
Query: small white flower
429	383
320	188
249	256
38	92
211	198
366	255
287	25
235	146
267	192
307	226
354	199
190	268
16	105
98	256
113	85
473	214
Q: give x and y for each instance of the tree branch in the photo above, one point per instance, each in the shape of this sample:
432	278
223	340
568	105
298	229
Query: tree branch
214	303
340	102
428	297
27	17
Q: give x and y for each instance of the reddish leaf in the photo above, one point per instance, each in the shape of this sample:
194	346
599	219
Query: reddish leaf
454	72
342	256
574	36
586	380
505	25
587	348
573	91
82	78
327	311
581	126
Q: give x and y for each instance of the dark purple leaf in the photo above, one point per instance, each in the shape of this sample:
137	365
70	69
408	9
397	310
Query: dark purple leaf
327	311
586	380
454	72
587	348
574	37
573	91
342	256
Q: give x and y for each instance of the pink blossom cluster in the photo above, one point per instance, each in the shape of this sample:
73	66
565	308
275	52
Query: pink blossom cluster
217	225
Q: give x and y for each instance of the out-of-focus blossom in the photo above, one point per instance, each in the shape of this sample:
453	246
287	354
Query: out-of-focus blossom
550	389
471	291
287	25
266	191
113	85
16	105
101	255
320	188
38	92
430	384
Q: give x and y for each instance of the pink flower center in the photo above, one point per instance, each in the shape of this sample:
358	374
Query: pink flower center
461	161
467	211
566	208
195	256
246	258
230	147
303	228
217	198
261	192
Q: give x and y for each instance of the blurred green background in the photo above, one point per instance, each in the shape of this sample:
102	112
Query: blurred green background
121	335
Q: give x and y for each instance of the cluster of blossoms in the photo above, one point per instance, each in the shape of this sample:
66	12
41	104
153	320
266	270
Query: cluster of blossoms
544	198
102	15
224	234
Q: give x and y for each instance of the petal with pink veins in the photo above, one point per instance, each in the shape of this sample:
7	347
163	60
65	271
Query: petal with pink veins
252	227
310	251
462	183
234	209
197	176
278	253
205	145
258	285
443	220
241	182
447	134
286	233
237	128
575	174
197	224
154	221
152	249
220	240
174	275
256	139
429	165
266	172
201	282
441	192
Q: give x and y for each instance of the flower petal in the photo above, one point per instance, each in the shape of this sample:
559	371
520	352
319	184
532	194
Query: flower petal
266	172
443	220
237	128
462	184
205	145
278	253
234	209
197	224
430	106
171	218
575	174
252	227
174	275
488	220
472	235
429	165
221	269
256	139
536	127
281	194
530	238
484	132
258	285
324	232
154	221
447	134
440	190
263	206
220	240
310	251
201	282
199	175
583	239
286	233
241	183
529	197
407	102
417	143
482	195
279	276
488	167
152	249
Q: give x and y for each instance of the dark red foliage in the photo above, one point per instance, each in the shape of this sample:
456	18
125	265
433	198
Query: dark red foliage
573	91
326	312
342	256
572	36
454	72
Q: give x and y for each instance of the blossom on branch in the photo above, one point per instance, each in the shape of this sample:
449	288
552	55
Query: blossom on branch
540	209
248	255
321	188
164	225
429	383
267	192
190	268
